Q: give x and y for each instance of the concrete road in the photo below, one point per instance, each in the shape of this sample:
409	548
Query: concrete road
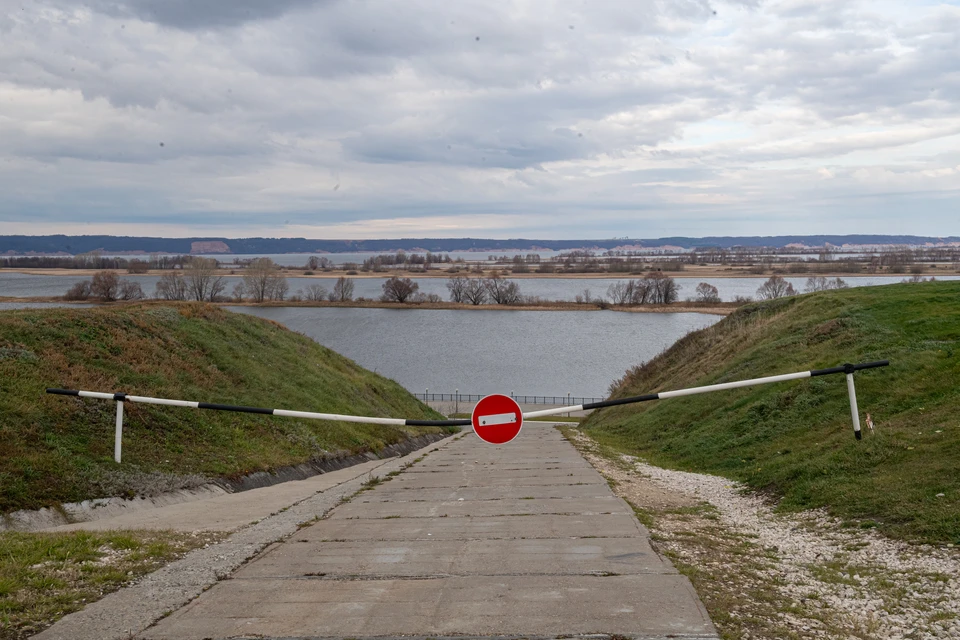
524	539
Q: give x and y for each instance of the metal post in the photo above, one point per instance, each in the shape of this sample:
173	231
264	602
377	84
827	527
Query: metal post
456	402
118	436
568	403
854	412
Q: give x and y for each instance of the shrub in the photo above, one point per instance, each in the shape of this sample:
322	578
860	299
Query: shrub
79	291
105	285
706	292
775	287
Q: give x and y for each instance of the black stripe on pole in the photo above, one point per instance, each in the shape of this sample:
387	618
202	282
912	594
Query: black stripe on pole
849	368
64	392
437	423
120	397
613	403
230	407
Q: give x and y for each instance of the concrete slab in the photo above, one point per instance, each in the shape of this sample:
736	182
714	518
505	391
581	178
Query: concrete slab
393	493
470	528
527	505
486	606
433	481
390	559
538	546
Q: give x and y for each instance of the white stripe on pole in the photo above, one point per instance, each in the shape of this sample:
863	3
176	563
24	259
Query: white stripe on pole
334	416
118	435
164	401
854	411
552	412
732	385
95	394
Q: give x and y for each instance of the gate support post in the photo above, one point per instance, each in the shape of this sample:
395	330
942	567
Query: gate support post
852	392
118	436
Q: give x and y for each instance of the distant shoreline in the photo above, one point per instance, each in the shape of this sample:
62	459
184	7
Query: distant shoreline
690	271
720	308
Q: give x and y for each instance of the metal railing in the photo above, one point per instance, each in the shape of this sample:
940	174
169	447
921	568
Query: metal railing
564	401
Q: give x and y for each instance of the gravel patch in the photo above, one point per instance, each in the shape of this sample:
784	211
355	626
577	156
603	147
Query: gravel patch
819	576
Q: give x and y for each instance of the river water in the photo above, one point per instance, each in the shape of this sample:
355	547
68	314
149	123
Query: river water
546	353
493	351
27	285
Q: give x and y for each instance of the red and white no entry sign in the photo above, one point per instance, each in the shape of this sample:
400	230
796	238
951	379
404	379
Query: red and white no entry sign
497	419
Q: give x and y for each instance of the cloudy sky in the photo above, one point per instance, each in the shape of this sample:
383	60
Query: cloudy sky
514	118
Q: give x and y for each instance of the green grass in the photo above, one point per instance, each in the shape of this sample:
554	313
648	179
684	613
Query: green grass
60	449
795	440
44	576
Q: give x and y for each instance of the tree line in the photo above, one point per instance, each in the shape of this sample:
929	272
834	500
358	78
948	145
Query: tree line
264	281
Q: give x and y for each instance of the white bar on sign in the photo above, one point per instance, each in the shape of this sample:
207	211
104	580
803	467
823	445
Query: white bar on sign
498	418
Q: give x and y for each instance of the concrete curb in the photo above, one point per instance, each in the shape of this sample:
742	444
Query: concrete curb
100	508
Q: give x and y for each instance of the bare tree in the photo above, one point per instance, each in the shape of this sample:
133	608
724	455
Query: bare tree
643	291
620	292
457	286
279	289
316	293
314	263
663	288
706	292
171	286
397	289
475	292
342	290
819	283
79	291
502	291
775	287
263	280
816	283
130	290
105	285
203	283
238	292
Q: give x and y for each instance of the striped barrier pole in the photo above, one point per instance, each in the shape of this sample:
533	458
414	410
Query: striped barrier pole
847	369
121	398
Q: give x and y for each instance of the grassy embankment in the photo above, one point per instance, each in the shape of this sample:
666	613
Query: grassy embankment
795	439
56	449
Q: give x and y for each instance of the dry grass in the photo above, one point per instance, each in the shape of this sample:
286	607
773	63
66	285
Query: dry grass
45	576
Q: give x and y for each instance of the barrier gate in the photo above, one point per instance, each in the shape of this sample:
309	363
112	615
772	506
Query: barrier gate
120	398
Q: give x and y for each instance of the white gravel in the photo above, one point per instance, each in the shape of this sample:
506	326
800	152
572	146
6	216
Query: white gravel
905	591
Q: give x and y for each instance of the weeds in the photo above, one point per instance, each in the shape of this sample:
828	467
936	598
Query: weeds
44	576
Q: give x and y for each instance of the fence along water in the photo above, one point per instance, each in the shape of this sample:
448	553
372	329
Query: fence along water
120	398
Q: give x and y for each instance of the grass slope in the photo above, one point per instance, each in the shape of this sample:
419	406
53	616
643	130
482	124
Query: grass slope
795	439
56	449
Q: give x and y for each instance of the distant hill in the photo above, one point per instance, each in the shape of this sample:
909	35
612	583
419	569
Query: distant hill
795	440
61	244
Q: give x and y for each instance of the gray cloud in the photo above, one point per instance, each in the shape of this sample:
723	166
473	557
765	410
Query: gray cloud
608	114
193	14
